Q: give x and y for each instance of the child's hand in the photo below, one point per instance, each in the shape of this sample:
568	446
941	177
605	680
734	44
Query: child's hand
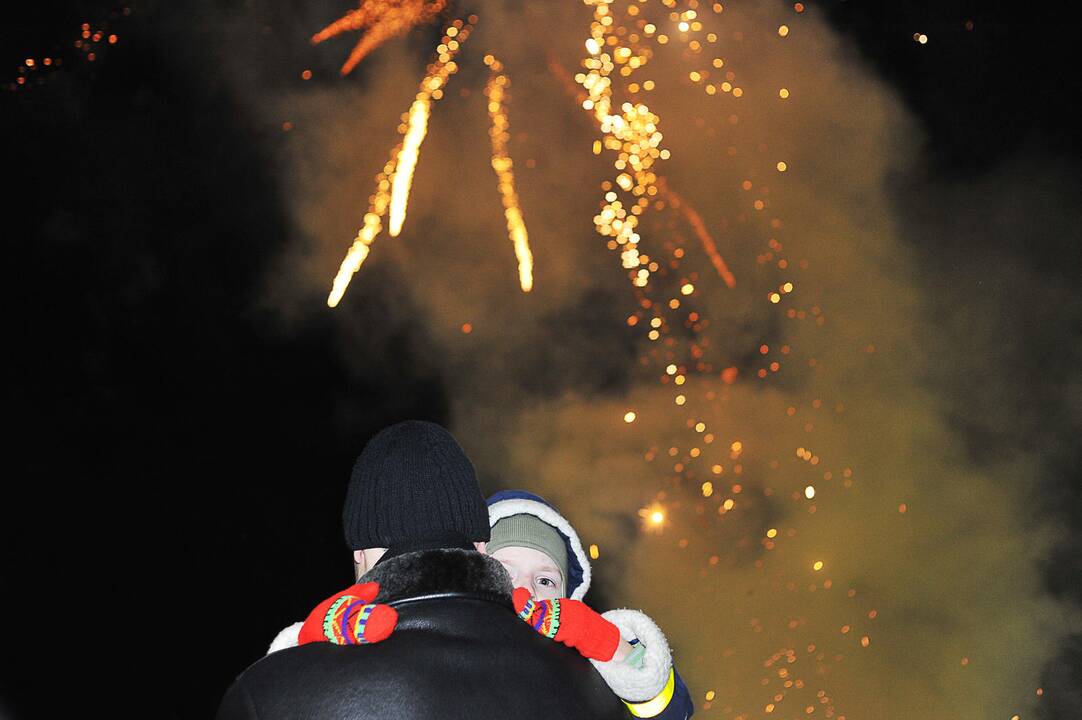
570	622
350	618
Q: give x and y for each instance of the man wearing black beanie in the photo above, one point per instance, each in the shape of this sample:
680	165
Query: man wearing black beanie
413	516
412	488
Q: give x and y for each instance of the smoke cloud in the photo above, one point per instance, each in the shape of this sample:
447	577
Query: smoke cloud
906	393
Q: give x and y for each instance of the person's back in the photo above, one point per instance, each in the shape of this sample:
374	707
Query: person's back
458	651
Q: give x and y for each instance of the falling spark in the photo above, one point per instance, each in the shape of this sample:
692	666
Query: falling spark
431	89
407	162
630	128
697	224
373	223
495	91
657	184
383	20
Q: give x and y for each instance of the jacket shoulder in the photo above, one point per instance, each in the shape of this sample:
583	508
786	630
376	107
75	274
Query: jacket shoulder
450	658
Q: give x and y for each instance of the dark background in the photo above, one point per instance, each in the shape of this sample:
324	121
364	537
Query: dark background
155	404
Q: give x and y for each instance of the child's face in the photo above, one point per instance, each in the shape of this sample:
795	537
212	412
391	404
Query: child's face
533	570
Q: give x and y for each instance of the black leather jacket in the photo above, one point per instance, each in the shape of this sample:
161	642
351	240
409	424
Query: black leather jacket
458	651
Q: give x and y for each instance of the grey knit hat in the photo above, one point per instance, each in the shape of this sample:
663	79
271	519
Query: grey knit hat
413	484
528	531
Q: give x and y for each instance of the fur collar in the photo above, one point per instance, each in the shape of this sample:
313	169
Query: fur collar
439	571
426	572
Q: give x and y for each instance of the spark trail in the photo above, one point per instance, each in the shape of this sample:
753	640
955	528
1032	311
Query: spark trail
383	20
393	182
495	91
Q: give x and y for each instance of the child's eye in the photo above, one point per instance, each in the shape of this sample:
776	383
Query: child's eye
546	582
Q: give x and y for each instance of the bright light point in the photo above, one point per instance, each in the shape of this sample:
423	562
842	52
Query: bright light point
782	167
687	288
772	533
736	446
783	30
783	93
709	695
818	565
708	488
775	298
671	370
729	504
629	417
809	492
595	553
680	399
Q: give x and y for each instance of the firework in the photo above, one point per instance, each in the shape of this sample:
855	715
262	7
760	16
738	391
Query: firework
675	201
631	130
393	182
383	20
695	220
495	91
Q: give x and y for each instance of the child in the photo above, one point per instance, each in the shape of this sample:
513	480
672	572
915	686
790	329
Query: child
551	574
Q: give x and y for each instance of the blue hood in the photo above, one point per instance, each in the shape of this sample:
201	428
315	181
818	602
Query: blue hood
518	502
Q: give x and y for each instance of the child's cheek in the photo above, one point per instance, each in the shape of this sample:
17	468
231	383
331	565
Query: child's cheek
547	592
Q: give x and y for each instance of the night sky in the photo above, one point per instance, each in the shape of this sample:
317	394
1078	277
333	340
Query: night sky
183	423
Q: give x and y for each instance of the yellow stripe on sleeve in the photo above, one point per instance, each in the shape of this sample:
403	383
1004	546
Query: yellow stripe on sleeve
657	705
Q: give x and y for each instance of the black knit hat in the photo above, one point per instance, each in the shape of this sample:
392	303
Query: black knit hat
413	484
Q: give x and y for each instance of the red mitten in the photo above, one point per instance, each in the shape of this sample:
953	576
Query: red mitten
571	622
350	618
